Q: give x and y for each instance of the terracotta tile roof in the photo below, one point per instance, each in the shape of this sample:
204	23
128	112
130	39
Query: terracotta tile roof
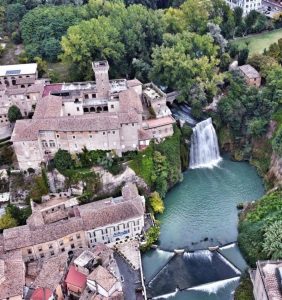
75	278
111	212
35	88
24	236
129	100
41	294
27	130
133	82
48	107
102	277
48	89
14	275
52	272
152	123
249	71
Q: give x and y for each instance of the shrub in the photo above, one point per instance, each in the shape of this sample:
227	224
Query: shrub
63	160
156	203
151	236
14	114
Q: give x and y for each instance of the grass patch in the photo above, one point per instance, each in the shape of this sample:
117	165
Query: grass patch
259	42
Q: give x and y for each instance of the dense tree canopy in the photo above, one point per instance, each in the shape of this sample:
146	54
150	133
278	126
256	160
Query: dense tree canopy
43	27
187	62
129	34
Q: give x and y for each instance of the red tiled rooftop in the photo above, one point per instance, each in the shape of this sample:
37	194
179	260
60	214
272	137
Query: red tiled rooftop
75	278
41	294
48	89
152	123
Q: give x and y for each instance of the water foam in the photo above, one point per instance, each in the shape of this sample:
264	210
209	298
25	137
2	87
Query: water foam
204	151
213	287
167	296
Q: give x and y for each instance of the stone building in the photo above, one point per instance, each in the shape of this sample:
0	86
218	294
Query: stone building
63	226
268	280
246	5
105	115
251	75
19	86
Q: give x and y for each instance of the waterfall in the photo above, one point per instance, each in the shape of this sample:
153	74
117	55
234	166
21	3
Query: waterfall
204	151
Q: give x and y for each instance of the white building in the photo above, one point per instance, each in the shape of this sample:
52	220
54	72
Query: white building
246	5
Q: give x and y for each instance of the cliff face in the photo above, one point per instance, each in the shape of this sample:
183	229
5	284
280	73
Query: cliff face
274	174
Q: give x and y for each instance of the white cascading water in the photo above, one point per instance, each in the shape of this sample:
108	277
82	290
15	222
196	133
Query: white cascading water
204	152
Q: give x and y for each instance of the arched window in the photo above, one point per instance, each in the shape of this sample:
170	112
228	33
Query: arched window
92	109
86	109
44	144
99	109
52	144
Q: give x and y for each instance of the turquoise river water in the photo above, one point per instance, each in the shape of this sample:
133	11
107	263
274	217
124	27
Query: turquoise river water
201	212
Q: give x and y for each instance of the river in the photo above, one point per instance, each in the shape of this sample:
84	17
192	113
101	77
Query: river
201	212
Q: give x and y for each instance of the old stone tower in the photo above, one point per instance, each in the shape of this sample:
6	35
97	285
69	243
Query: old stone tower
101	70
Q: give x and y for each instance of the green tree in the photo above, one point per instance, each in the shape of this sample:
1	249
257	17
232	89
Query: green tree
257	127
196	14
7	221
14	13
238	16
243	56
43	27
263	63
93	40
41	66
14	114
277	142
225	61
63	160
157	203
272	244
185	60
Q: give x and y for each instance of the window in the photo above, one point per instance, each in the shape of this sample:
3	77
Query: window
132	124
86	96
77	108
52	144
44	144
72	246
90	136
50	246
70	238
41	255
73	137
29	251
28	97
114	132
104	132
61	243
52	253
78	236
62	249
39	248
112	106
93	95
58	135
